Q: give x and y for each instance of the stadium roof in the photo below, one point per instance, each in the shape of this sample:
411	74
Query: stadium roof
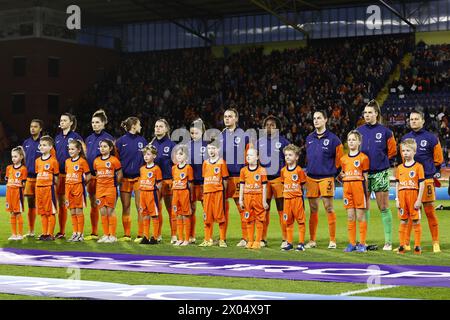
128	11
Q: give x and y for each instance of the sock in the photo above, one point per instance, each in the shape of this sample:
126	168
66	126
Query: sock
282	225
417	234
332	225
51	224
408	232
243	225
94	220
222	230
179	228
432	222
208	231
19	220
266	226
259	231
105	225
386	216
12	220
112	225
126	223
313	222
227	215
173	223
74	223
401	233
301	233
251	231
146	227
80	221
155	227
187	228
290	233
193	223
44	220
351	228
362	232
62	218
31	218
160	223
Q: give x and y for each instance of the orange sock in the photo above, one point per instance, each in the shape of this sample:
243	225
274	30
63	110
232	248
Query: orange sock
112	225
180	228
94	220
62	218
173	223
227	215
266	226
417	234
362	232
80	221
187	228
222	230
432	222
313	222
19	220
105	225
351	228
259	231
251	231
160	220
146	227
332	225
31	218
401	232
208	231
408	232
301	233
44	219
12	220
74	223
282	225
243	224
126	223
193	222
290	233
155	227
51	224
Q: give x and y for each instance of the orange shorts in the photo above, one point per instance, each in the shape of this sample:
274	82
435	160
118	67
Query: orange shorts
214	207
198	192
149	204
253	208
234	184
275	188
46	200
407	198
429	193
107	198
91	187
181	202
293	210
129	185
166	188
14	200
319	187
354	195
61	188
75	196
30	187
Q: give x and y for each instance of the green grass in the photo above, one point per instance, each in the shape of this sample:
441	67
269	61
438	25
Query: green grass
375	235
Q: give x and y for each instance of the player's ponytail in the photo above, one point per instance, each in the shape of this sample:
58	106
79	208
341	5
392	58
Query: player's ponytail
100	113
72	119
128	123
199	124
376	107
21	152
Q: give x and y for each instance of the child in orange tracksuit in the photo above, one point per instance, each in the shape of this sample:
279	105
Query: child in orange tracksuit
109	175
409	189
355	167
16	175
150	183
215	174
77	176
183	176
293	178
47	170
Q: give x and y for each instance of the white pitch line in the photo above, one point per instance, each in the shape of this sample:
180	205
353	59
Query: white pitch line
374	288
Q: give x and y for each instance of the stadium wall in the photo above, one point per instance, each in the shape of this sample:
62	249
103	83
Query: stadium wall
430	38
79	67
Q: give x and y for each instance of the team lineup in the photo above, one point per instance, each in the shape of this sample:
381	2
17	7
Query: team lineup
54	175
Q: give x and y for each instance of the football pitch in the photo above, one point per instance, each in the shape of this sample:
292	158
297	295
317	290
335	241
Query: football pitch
272	252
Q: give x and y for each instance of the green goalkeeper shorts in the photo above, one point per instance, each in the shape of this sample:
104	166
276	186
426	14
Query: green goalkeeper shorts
379	182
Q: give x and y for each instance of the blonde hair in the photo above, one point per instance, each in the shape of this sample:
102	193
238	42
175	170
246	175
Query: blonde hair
411	143
150	148
293	148
101	114
21	152
48	139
